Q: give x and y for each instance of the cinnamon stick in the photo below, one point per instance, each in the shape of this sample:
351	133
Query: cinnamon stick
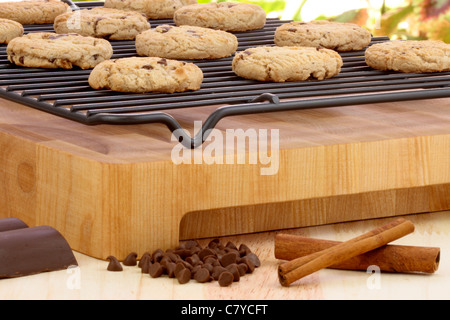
389	258
296	269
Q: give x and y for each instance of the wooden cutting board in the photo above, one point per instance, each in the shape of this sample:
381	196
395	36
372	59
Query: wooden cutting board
111	190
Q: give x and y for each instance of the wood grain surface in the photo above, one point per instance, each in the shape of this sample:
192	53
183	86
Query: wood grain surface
91	280
114	189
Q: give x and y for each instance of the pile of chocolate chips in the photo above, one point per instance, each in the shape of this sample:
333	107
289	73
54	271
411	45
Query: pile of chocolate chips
215	262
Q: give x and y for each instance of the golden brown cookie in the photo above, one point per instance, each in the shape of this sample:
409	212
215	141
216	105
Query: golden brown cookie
281	64
9	30
33	11
227	16
331	35
146	74
154	9
51	50
186	42
102	22
410	56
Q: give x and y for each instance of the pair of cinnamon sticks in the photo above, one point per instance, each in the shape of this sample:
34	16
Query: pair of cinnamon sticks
307	255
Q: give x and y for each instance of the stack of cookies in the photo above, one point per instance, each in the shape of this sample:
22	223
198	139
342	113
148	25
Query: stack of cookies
302	50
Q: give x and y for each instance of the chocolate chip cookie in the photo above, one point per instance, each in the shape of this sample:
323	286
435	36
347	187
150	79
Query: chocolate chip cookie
410	56
281	64
33	11
51	50
227	16
154	9
331	35
146	74
186	42
101	22
9	30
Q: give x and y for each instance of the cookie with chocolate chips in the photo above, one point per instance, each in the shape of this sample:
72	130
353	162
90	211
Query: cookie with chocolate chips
154	9
101	22
331	35
409	56
51	50
146	74
227	16
33	11
9	30
186	42
281	64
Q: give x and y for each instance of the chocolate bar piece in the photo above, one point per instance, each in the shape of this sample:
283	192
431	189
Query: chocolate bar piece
7	224
34	250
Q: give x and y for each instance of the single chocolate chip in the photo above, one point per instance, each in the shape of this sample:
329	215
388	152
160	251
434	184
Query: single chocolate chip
226	279
242	267
146	256
163	61
244	250
195	269
202	275
178	268
217	271
205	252
147	67
183	253
231	245
130	260
163	29
157	255
164	261
292	30
213	243
208	266
228	259
156	270
249	263
145	268
170	269
191	244
114	264
184	276
233	268
254	258
193	260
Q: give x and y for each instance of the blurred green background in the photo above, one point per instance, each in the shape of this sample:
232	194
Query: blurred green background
398	19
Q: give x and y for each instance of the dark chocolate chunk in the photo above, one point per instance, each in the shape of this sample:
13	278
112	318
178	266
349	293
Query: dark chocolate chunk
114	264
147	67
131	259
7	224
34	250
